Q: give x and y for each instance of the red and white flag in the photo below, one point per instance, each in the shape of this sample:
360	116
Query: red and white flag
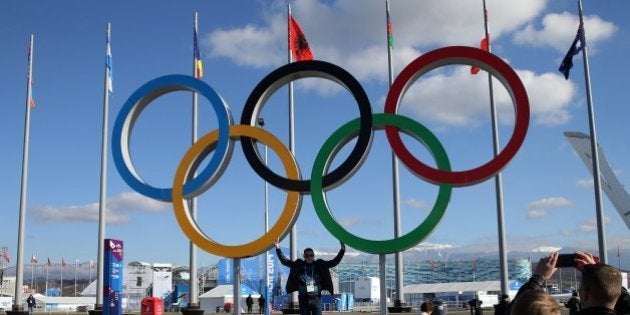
33	259
63	262
5	255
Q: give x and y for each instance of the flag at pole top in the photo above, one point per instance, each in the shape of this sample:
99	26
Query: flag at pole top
567	62
197	54
33	259
108	63
49	262
390	32
5	256
29	75
297	42
63	262
483	45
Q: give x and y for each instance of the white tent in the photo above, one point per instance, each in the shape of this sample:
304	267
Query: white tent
65	303
218	296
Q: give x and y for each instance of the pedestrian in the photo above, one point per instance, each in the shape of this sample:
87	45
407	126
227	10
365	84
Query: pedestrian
30	301
309	277
573	304
426	308
249	301
261	304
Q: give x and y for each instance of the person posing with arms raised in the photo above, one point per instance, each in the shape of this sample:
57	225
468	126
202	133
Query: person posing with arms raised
309	277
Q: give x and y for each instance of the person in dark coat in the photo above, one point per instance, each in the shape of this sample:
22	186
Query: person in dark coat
573	304
30	301
249	301
503	307
261	304
309	277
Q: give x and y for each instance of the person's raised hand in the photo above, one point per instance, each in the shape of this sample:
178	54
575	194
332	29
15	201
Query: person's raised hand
547	266
276	244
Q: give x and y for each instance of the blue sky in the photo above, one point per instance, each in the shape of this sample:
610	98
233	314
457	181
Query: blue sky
548	195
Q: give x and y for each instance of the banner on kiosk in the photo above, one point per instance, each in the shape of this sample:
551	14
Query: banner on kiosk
113	273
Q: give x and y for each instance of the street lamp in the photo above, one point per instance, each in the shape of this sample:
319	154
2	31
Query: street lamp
261	123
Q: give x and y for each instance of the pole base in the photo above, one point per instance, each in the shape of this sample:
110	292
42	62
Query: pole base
17	310
192	309
98	310
293	308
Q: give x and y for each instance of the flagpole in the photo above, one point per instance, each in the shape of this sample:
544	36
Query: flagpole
61	285
19	264
194	286
293	234
103	188
75	277
32	273
601	233
498	181
46	286
398	260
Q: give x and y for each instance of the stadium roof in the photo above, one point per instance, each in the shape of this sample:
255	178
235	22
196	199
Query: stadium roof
485	286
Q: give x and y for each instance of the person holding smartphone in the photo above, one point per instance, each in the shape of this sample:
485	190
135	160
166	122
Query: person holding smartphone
309	277
600	286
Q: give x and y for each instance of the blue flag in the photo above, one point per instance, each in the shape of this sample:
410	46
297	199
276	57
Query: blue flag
108	64
567	62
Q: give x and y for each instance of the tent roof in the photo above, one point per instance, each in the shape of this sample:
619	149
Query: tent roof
223	290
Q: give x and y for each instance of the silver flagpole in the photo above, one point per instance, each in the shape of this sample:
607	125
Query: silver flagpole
194	283
19	264
76	264
601	232
498	182
102	195
61	284
395	175
46	286
32	273
293	235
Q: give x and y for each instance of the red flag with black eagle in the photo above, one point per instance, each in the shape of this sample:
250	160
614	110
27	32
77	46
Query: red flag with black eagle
297	42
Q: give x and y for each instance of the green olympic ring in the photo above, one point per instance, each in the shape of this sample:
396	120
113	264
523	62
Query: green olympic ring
328	152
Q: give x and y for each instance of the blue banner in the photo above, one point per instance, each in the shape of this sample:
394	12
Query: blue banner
113	273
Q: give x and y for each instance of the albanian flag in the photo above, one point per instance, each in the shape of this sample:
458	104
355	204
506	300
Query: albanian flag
297	42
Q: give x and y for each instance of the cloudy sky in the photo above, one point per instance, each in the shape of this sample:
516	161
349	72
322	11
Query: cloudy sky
547	192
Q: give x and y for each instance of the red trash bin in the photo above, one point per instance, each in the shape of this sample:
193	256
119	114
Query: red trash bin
151	306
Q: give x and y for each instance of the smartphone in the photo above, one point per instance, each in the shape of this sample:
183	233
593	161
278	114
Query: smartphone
566	260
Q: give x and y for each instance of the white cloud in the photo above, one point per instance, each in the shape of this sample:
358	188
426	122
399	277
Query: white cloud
432	98
591	225
353	221
585	183
559	29
415	203
538	209
349	34
117	210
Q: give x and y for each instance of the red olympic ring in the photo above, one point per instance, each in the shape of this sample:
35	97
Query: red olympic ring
469	56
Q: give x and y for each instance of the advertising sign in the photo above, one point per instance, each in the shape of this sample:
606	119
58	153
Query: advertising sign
113	273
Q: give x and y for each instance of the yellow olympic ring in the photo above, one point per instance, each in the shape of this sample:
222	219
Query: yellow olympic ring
191	160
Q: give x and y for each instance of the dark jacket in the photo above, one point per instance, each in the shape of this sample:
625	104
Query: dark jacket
597	310
623	303
321	268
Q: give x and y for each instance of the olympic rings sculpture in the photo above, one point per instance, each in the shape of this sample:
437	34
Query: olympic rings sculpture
220	143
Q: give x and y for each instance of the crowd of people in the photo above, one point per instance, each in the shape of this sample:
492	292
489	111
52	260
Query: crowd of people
600	291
